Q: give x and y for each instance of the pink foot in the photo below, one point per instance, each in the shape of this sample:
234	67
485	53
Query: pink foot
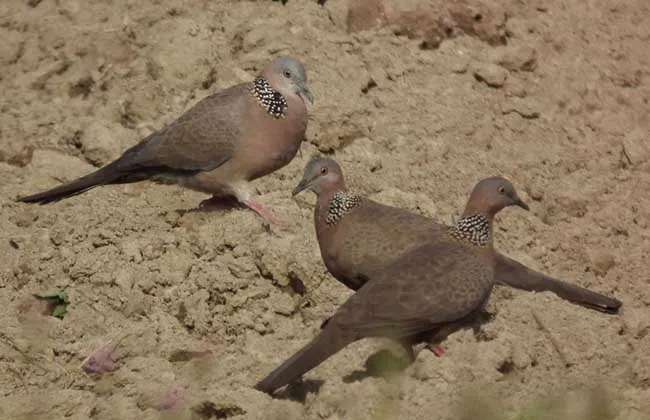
436	349
218	203
265	214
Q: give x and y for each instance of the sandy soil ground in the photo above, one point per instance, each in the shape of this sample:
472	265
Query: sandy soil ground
417	100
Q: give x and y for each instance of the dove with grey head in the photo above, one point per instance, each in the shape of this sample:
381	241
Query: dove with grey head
218	146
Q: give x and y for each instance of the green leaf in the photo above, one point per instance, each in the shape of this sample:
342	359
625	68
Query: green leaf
59	295
58	300
60	311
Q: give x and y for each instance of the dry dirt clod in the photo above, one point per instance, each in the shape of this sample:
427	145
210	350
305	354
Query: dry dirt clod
208	410
490	74
636	147
365	14
521	58
481	19
535	193
100	143
527	108
601	262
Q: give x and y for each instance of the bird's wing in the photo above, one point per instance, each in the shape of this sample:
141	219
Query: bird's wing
372	235
431	285
511	273
202	139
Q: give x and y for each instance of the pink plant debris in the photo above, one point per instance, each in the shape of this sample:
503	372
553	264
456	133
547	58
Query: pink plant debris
174	399
102	360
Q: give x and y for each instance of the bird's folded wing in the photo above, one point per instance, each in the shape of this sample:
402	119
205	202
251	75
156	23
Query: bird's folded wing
373	235
203	139
431	285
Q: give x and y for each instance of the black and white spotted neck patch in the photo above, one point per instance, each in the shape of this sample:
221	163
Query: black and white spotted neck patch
340	204
474	229
270	99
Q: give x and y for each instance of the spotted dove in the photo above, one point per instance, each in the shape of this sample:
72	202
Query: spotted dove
373	234
218	146
431	286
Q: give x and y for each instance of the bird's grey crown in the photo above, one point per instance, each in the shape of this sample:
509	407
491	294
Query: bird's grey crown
270	99
474	229
340	204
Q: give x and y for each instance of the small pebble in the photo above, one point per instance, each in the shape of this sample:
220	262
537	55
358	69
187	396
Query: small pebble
283	304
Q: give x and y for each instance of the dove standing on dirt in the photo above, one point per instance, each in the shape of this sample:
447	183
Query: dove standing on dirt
373	234
442	282
221	144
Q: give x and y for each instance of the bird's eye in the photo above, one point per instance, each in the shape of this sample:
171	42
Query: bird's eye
502	190
287	73
323	171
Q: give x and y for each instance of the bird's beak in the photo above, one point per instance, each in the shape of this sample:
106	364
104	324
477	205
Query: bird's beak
518	202
302	185
307	94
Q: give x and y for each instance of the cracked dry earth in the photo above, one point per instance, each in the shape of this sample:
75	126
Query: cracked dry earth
417	100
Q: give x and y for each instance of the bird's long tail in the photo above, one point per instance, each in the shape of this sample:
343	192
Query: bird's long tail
327	342
514	274
106	175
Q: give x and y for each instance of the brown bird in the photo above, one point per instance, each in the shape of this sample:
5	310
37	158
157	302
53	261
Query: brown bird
372	235
431	286
221	144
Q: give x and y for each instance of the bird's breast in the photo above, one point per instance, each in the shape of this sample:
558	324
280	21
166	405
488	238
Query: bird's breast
273	144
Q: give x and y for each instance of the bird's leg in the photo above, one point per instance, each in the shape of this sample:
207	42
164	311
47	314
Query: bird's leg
438	336
436	349
475	320
432	347
244	193
218	203
434	343
262	211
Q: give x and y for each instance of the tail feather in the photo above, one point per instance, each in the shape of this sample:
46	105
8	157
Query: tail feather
514	274
103	176
326	344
